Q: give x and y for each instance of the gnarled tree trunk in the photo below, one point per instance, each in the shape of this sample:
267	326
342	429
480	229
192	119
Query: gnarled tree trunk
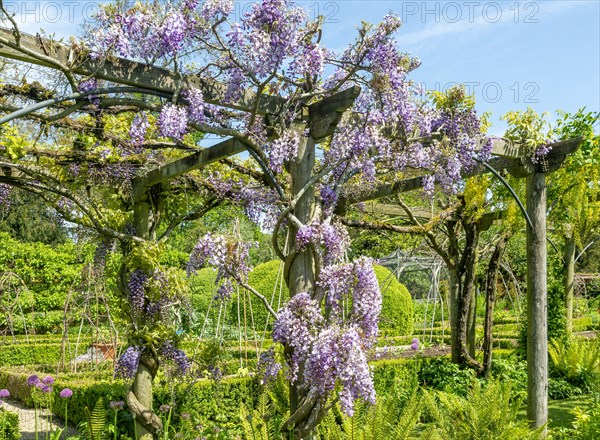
490	301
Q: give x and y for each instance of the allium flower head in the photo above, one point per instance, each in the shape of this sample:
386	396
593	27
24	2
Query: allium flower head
66	393
47	389
414	344
48	380
4	393
117	404
33	380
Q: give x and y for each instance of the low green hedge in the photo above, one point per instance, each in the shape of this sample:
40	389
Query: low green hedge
35	354
9	425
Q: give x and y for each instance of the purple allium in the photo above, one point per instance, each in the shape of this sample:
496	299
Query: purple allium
4	393
117	404
66	393
128	363
33	380
172	121
165	408
46	389
414	344
40	385
48	380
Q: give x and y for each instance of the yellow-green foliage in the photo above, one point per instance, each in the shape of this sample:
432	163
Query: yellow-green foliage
577	361
397	308
487	413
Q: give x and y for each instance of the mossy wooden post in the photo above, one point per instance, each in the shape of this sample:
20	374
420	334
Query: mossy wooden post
537	302
569	277
300	268
139	398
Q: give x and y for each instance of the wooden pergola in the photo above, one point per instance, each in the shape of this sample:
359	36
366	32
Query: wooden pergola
320	119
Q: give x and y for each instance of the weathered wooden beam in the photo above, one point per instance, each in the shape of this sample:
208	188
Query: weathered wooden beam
325	114
397	211
519	167
123	71
186	164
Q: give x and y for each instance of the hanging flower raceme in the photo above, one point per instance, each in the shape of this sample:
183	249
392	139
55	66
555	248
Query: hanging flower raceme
177	357
172	121
258	202
333	350
332	240
145	31
228	257
138	130
127	364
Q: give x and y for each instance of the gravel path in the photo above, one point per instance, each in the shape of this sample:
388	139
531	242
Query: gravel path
27	421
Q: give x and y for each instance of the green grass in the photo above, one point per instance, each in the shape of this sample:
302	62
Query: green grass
560	413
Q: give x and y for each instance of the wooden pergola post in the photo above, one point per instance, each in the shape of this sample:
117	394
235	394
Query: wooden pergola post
537	302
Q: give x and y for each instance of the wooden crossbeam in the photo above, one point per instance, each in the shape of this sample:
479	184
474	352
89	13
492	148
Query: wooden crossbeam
334	105
123	71
186	164
325	114
518	166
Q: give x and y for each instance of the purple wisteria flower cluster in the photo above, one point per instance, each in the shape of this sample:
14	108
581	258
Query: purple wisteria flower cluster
5	191
332	240
228	257
177	357
127	364
144	31
334	350
258	202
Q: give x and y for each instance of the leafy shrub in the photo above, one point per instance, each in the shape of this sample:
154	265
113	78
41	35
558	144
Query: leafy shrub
557	321
586	425
389	418
9	425
443	375
511	369
38	353
486	413
397	307
559	388
48	272
577	361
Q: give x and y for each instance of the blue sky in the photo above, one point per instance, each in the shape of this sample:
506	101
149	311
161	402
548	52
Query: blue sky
511	54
